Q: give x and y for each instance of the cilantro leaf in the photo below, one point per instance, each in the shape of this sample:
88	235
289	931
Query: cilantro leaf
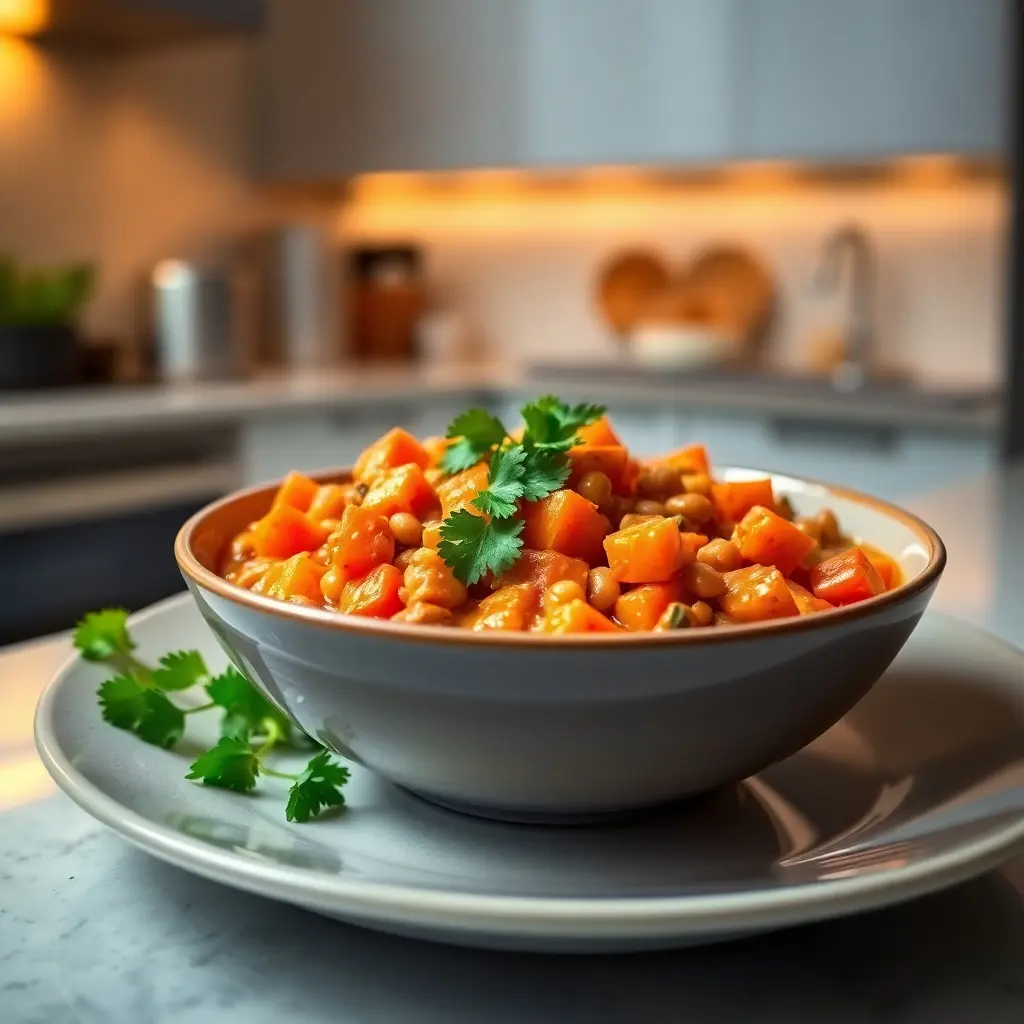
545	471
100	635
246	711
180	670
473	545
550	423
121	702
504	487
231	764
477	432
318	786
149	714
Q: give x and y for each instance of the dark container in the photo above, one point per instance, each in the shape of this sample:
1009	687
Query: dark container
38	356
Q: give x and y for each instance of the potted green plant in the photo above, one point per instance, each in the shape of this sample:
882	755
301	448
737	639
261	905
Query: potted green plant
38	314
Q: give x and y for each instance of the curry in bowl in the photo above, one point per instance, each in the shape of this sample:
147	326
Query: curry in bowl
554	527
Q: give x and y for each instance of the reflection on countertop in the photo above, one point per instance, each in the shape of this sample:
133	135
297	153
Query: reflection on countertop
106	411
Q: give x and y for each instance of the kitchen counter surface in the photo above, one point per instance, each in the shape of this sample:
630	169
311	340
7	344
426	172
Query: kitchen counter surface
93	931
109	411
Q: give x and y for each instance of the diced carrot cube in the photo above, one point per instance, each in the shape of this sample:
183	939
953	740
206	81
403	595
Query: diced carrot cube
375	595
285	531
765	538
328	503
757	593
689	460
403	489
612	460
734	500
846	578
299	576
640	608
296	490
542	568
577	616
362	541
510	608
435	447
649	552
396	448
565	521
806	602
886	566
459	490
599	432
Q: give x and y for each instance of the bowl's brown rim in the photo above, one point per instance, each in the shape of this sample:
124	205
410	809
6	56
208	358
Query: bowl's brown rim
193	570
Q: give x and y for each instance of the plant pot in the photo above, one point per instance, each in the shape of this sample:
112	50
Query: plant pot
38	356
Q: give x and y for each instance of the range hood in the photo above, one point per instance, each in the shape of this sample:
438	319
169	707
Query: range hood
129	24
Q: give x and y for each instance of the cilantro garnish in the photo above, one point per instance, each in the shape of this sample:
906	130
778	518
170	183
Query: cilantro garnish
527	471
136	699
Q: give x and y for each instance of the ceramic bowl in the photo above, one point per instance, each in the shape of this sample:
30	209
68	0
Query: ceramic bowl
530	726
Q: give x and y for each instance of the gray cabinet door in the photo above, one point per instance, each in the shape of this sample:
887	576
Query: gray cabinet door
620	81
392	85
847	80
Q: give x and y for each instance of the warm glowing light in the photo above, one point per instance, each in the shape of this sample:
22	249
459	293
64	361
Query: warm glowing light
24	782
929	169
23	17
23	78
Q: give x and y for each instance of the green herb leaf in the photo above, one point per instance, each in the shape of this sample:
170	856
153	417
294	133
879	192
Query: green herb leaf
544	471
180	671
477	432
473	545
100	635
147	713
231	764
550	423
318	786
504	487
246	711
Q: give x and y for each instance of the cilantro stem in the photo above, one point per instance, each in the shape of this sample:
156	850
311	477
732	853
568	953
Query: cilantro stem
202	707
276	775
129	665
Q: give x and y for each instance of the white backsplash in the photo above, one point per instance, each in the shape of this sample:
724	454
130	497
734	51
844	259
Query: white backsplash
523	267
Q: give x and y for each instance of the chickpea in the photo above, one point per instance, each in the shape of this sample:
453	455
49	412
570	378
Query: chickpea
721	555
429	578
694	507
646	507
697	483
703	614
676	616
407	529
250	573
596	487
602	588
424	613
829	525
810	526
632	519
657	481
703	581
561	592
331	585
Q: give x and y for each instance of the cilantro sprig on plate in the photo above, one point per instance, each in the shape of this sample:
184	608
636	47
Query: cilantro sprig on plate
137	699
519	471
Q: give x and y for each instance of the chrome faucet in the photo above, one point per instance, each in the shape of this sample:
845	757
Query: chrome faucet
858	334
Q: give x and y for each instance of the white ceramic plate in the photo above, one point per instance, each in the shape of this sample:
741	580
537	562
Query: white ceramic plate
921	786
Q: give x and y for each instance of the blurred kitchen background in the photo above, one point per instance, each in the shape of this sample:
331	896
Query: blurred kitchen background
240	237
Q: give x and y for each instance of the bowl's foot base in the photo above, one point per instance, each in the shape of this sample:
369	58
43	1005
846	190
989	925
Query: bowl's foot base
517	816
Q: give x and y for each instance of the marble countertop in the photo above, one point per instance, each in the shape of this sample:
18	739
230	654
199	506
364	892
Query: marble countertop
109	411
94	932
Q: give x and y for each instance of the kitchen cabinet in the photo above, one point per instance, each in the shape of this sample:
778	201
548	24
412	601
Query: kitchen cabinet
391	85
402	85
624	82
826	79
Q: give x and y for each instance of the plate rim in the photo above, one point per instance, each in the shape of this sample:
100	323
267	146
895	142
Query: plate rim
547	917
